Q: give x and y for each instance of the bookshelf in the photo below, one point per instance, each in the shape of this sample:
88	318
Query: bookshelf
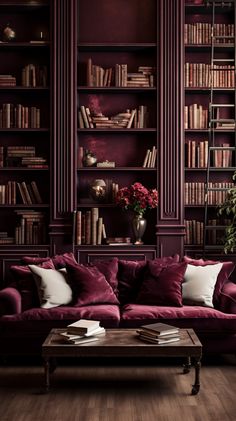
118	93
204	125
25	128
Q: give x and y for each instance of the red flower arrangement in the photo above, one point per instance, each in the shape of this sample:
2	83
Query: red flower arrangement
137	198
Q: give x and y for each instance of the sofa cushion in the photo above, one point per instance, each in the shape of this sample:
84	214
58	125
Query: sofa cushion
89	286
59	260
109	268
25	283
109	315
201	319
30	260
222	278
52	286
131	275
199	283
162	284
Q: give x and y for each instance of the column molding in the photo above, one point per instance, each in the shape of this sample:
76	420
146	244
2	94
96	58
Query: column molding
170	226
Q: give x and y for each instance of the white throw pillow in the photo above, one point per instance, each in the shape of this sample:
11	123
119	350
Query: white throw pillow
199	283
52	286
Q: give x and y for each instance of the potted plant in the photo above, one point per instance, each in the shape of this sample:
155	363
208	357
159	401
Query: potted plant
228	208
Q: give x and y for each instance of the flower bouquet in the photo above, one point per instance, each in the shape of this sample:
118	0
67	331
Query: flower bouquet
137	198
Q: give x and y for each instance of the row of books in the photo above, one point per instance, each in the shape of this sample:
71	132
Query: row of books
197	155
19	116
90	228
34	75
31	228
83	331
159	333
27	193
21	156
119	76
194	232
7	80
135	118
5	238
150	158
195	193
200	33
203	75
196	117
118	241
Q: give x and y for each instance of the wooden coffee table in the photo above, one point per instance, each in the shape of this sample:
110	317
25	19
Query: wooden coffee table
124	343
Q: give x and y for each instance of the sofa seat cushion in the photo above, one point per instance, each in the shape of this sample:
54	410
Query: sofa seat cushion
68	314
202	319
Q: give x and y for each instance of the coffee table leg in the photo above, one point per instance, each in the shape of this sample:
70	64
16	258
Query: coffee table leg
187	366
47	374
196	386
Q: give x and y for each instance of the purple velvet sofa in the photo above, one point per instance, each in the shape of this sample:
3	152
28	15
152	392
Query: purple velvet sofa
120	293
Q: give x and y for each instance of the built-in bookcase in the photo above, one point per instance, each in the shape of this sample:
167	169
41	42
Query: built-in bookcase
110	34
199	116
25	124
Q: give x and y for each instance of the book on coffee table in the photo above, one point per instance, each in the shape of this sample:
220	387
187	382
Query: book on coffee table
158	341
82	327
72	337
159	329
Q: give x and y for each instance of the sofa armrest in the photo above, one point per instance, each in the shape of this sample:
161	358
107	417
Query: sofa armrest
10	301
228	298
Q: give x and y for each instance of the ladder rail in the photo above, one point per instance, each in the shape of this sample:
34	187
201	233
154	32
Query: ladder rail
213	120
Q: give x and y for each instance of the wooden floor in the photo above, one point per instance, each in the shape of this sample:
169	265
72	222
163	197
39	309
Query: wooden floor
114	392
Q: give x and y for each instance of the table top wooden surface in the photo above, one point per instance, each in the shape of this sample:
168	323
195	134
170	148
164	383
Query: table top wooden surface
122	342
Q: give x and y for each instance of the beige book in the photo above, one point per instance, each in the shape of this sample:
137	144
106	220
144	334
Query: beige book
99	230
94	220
146	158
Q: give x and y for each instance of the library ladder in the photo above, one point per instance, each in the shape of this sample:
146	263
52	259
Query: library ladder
222	116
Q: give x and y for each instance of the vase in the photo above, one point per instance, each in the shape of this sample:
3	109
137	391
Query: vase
139	225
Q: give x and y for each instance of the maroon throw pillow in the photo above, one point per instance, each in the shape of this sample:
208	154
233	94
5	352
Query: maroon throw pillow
25	283
61	260
109	268
30	260
89	286
222	278
131	274
130	277
162	285
166	260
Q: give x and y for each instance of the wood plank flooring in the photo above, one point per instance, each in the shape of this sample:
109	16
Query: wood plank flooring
114	392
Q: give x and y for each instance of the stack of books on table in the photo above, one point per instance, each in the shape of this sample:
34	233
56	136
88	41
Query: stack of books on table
83	331
159	333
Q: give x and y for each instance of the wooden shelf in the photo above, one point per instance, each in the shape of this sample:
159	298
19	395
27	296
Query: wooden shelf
198	48
115	89
196	9
23	169
214	169
108	130
22	45
132	47
21	205
116	169
207	90
24	88
23	130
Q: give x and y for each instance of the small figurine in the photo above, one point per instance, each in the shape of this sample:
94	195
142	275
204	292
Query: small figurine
8	33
